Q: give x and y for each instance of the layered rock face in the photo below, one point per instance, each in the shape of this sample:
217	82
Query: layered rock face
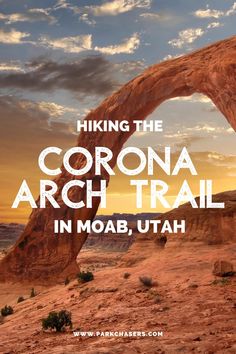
38	253
212	226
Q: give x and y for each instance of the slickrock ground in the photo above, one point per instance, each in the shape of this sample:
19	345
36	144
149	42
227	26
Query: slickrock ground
195	311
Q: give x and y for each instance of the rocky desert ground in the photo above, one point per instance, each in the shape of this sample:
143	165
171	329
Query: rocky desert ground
195	309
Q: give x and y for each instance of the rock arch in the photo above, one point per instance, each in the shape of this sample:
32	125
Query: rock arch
211	71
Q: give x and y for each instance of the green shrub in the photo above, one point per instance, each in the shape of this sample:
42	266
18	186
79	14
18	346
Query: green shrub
85	277
6	311
20	299
32	294
57	320
67	281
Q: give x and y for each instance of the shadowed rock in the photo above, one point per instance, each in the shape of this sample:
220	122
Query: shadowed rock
212	226
38	254
223	268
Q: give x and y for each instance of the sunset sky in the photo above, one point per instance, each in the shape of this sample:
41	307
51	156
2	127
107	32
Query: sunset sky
61	58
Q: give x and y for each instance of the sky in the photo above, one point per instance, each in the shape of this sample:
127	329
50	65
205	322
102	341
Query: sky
59	59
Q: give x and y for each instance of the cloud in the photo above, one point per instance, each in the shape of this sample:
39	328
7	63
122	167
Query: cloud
28	116
198	98
208	13
195	98
187	136
216	156
11	66
187	36
92	75
85	18
26	129
152	16
12	36
170	56
212	13
214	25
64	5
230	130
183	138
61	4
220	160
155	16
54	109
128	46
75	44
206	128
78	44
232	10
130	68
116	7
187	141
31	15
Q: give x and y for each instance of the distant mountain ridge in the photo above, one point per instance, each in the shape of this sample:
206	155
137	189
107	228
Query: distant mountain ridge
128	217
10	232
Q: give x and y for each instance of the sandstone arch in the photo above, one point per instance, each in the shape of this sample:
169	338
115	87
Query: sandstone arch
37	254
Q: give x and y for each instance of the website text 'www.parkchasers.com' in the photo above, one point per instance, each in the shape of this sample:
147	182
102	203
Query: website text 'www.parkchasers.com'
118	334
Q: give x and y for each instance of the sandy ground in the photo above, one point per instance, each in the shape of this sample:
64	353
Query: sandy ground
196	313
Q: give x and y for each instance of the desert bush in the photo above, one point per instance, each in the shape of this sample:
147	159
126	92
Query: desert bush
223	281
67	281
193	286
57	320
155	296
147	281
20	299
157	299
126	275
85	277
6	311
32	294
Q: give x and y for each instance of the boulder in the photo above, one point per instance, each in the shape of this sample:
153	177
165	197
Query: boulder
223	268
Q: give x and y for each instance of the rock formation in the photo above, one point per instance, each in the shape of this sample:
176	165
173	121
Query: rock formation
212	226
223	268
38	254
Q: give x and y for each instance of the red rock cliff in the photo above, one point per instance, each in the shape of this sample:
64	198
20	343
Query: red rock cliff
212	226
